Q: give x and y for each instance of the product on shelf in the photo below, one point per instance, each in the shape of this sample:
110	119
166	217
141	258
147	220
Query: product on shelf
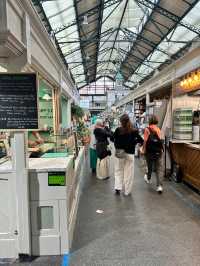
182	124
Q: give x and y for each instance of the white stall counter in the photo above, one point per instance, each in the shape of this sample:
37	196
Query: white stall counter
40	164
6	166
49	164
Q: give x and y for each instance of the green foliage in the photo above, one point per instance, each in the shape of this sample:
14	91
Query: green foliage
77	111
82	130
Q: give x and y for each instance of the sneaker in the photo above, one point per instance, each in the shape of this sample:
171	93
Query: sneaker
127	194
148	181
159	189
117	192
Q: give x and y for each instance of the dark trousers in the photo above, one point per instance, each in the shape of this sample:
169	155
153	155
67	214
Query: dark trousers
154	164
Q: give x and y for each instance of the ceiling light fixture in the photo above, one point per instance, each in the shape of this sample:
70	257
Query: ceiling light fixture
87	57
46	97
85	20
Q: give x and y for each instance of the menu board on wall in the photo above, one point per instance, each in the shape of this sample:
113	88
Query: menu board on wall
18	101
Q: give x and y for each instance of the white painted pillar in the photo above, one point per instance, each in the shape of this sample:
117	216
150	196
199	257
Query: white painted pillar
20	63
20	167
133	107
69	114
3	16
147	99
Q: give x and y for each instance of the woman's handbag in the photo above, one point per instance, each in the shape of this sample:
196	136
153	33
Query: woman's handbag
142	150
120	153
102	150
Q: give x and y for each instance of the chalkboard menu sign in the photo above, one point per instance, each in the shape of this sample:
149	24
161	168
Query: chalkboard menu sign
18	101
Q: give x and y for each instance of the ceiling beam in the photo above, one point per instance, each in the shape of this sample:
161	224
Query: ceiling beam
170	15
101	9
89	13
119	26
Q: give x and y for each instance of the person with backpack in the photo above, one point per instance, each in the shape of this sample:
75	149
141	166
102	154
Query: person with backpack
125	139
102	151
153	149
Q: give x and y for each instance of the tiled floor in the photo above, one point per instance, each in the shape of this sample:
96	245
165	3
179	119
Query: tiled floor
144	229
140	230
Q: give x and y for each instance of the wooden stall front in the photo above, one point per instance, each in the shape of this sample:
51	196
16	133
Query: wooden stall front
187	155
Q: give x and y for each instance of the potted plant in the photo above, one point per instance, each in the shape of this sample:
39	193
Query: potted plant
83	133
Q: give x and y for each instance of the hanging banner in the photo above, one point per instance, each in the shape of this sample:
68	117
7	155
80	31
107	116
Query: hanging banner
119	81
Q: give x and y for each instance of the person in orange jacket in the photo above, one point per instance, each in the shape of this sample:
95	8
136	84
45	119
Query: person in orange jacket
153	149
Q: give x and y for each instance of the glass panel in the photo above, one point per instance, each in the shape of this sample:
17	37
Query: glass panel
45	217
45	106
62	12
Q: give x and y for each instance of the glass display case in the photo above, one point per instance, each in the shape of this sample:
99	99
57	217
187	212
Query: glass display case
182	123
53	145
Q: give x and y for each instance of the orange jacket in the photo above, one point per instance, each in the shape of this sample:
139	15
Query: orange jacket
153	128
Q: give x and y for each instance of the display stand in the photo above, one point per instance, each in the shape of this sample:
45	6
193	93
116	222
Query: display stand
185	145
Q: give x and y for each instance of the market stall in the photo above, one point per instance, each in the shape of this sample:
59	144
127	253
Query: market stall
54	196
48	185
40	141
185	143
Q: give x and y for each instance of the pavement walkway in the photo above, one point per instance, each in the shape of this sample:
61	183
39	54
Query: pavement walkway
143	229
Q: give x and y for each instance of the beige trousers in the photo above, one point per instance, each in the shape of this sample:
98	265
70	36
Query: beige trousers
124	173
102	169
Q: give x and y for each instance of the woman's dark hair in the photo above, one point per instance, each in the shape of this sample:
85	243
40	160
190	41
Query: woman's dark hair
153	120
127	126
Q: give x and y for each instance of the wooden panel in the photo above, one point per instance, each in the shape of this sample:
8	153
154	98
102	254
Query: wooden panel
192	166
189	160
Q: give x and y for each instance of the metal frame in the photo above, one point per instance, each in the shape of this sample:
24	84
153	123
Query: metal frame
156	8
141	47
89	12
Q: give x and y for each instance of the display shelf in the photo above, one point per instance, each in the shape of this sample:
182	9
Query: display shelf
181	141
182	123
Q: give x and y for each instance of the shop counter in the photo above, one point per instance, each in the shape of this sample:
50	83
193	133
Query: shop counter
54	191
39	150
5	165
54	197
187	155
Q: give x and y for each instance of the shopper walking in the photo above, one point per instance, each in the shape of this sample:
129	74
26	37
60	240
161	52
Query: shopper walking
93	153
125	139
153	149
103	153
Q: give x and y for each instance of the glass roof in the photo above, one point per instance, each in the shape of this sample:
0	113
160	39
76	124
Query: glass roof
119	17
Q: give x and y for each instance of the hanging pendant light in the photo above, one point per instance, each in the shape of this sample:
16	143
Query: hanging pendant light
119	80
85	20
87	57
46	97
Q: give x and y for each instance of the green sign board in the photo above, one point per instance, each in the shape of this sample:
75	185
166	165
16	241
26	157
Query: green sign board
56	179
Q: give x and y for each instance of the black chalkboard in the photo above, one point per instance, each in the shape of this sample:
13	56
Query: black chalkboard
18	101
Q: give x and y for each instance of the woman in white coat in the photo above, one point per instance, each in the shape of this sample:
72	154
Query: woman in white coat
125	139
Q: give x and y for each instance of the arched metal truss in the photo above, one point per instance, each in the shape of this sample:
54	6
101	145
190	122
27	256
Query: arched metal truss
98	38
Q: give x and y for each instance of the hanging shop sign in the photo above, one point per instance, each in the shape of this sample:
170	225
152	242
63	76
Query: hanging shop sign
191	81
119	81
18	101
